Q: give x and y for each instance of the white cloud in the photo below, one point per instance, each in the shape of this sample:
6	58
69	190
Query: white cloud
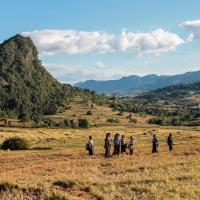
193	27
51	42
156	42
73	74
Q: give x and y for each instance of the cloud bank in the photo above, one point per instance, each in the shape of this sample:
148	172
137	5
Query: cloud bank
69	42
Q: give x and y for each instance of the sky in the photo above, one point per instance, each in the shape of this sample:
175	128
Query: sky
80	40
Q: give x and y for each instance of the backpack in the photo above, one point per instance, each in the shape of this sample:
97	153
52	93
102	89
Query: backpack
87	146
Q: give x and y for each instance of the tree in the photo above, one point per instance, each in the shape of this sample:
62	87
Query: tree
83	123
23	117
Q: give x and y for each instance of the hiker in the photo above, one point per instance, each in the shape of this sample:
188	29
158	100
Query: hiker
90	146
123	144
131	145
155	144
116	144
107	145
170	142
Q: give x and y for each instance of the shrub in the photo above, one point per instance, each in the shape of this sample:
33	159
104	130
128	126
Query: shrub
60	124
15	143
89	112
67	123
64	184
112	120
155	120
133	120
7	187
120	113
83	123
73	123
23	117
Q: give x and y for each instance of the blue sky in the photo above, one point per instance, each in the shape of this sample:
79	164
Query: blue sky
107	39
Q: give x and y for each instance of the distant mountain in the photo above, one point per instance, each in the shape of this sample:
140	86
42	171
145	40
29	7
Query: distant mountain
135	84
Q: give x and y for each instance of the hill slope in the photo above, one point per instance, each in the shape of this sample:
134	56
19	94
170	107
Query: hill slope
26	88
181	94
135	84
174	105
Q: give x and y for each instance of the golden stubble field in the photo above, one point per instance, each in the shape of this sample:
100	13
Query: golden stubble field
58	167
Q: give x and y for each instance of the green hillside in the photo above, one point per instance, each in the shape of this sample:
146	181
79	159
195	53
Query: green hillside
174	105
27	90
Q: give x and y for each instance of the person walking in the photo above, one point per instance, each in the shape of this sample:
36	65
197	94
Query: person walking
116	144
90	146
155	144
107	145
131	145
123	144
170	142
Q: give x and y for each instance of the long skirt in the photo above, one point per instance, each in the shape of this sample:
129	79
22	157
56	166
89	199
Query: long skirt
155	148
91	151
107	153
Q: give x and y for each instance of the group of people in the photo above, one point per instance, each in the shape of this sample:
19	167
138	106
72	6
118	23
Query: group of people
121	145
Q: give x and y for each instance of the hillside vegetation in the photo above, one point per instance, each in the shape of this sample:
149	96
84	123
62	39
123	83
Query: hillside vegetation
174	105
27	90
173	94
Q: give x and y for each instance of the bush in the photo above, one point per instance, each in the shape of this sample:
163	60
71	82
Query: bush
15	143
112	120
89	112
73	123
7	187
133	120
83	123
67	123
64	184
120	113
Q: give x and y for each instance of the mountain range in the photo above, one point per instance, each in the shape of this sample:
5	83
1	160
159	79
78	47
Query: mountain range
133	84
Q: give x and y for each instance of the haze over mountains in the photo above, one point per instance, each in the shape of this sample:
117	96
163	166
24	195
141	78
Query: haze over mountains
135	84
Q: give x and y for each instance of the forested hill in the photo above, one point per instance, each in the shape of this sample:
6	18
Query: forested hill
174	105
172	93
26	88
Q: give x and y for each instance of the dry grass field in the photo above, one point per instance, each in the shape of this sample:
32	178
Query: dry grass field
99	116
58	167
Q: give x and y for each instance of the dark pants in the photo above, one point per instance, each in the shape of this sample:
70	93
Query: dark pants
107	153
170	147
123	148
131	152
91	151
155	148
116	150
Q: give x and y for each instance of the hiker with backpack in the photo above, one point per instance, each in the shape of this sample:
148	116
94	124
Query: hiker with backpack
90	146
